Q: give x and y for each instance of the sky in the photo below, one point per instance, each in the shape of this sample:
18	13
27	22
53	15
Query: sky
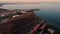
29	0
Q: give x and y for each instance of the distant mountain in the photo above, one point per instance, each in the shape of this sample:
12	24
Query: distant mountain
3	10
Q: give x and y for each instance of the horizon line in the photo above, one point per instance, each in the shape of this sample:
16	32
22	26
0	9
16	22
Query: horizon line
29	2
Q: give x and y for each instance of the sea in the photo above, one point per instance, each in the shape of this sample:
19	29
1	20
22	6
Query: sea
50	11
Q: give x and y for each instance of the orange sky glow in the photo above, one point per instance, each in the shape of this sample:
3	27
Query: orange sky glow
29	0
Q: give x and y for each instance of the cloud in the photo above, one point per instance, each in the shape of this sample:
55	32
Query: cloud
29	0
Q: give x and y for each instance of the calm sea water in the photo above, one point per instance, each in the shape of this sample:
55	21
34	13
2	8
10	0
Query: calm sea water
49	11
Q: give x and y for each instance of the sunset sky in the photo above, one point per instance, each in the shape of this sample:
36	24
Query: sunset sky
29	0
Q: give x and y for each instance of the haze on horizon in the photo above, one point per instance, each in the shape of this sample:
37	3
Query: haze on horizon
29	1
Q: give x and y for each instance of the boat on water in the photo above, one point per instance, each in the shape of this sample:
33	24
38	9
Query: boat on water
25	22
